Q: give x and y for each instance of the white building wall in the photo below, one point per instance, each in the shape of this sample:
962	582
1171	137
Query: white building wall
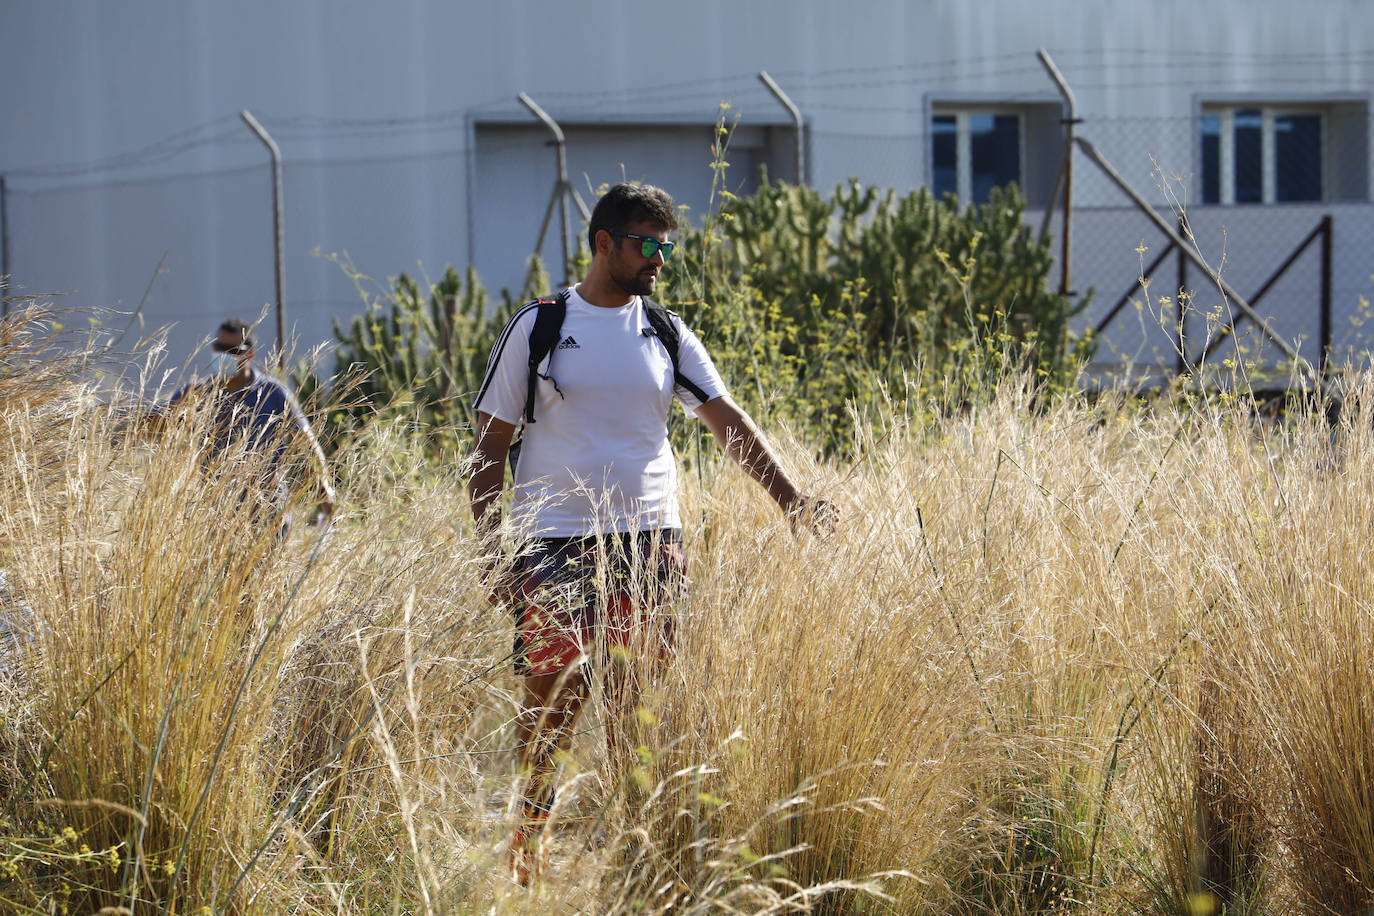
121	140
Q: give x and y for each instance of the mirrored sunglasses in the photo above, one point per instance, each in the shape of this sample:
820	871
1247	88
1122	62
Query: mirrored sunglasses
648	246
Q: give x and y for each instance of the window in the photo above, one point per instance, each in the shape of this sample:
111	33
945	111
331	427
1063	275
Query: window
1272	154
976	146
973	152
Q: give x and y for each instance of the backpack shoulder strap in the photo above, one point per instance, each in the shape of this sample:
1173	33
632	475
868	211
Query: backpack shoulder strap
666	330
548	323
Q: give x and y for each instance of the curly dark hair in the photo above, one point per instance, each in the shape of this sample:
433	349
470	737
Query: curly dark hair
631	203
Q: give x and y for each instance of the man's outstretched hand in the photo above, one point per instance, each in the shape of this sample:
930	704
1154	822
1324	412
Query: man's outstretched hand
815	514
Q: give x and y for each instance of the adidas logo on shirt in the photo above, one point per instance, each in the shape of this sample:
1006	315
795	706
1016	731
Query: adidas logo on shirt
569	344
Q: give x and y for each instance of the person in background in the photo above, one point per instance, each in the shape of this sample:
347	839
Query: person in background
258	410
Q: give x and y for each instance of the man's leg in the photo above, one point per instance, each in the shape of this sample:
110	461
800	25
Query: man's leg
623	687
640	636
551	638
544	729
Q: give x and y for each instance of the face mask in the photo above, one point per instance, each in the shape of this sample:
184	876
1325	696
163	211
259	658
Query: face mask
224	365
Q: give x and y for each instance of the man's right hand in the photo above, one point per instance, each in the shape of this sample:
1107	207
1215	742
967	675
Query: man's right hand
815	513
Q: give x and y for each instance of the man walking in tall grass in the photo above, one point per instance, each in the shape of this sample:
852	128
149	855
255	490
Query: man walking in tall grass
258	413
595	485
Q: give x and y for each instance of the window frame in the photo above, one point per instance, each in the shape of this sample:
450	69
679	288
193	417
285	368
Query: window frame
962	107
963	146
1224	108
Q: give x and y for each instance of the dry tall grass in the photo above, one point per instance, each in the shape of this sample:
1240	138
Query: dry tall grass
1097	658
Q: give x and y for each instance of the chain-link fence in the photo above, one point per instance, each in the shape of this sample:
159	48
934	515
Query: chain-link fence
187	250
1304	266
1252	180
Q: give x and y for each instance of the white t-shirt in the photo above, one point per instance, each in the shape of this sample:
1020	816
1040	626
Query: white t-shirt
596	459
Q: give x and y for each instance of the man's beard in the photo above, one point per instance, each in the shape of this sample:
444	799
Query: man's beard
640	283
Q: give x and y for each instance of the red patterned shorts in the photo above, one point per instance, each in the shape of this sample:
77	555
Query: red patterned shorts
577	598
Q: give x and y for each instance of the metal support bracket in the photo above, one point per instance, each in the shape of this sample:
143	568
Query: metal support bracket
562	190
277	230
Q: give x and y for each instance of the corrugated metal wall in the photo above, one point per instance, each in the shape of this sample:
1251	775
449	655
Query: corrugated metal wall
406	149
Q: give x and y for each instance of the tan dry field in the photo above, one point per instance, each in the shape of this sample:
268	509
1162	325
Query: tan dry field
1106	657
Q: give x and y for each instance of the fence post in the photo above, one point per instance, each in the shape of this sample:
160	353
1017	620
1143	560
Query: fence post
1067	169
277	230
1182	285
1327	228
799	160
562	188
4	246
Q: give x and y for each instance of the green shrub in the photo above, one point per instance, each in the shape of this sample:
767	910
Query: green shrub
816	310
829	305
415	353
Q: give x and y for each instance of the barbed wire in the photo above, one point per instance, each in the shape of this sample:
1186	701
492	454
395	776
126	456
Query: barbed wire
1083	67
152	154
144	182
